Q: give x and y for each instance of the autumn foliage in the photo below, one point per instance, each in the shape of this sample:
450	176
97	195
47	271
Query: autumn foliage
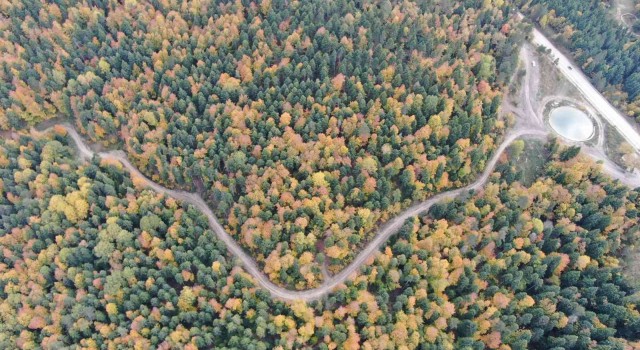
339	114
508	267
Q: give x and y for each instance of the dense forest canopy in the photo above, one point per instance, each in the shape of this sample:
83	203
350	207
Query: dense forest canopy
89	259
303	123
607	51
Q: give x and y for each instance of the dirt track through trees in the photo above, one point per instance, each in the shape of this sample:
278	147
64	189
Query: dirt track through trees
530	127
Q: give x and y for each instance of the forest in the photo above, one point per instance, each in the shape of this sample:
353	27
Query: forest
304	125
606	50
90	259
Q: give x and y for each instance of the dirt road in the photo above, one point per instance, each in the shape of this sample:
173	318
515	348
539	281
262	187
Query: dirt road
530	124
249	263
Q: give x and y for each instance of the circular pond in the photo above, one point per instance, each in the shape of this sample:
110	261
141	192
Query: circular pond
571	123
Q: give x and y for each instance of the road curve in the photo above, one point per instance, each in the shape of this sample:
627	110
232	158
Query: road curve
388	229
534	129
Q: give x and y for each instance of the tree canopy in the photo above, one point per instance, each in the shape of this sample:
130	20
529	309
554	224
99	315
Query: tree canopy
507	267
302	123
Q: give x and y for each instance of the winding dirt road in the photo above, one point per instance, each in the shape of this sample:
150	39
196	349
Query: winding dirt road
529	124
250	265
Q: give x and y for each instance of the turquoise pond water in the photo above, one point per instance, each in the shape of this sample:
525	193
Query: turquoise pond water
571	123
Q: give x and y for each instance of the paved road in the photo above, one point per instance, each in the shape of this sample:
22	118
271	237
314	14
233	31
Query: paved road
582	83
250	265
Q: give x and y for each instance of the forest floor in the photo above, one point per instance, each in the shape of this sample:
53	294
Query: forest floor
532	161
630	264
